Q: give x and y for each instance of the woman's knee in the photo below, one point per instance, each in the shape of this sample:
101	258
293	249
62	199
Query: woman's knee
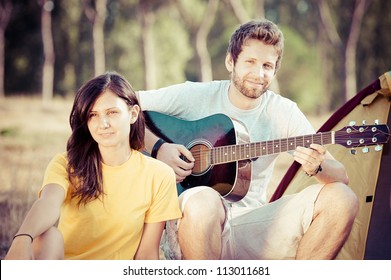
49	245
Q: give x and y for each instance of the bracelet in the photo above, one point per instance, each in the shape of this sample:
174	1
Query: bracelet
24	234
156	147
317	170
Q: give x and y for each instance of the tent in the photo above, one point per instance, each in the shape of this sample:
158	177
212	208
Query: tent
369	171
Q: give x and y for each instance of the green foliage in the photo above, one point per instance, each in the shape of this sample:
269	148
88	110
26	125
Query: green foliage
195	9
125	55
9	131
172	48
299	76
303	76
374	52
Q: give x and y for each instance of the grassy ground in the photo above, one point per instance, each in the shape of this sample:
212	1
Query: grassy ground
30	135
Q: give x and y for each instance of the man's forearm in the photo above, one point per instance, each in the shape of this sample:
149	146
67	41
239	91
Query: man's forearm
150	140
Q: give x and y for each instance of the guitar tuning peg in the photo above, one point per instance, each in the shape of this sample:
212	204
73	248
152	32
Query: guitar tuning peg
378	148
364	122
365	150
377	122
351	123
353	151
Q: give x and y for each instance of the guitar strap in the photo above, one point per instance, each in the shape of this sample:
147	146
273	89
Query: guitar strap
327	126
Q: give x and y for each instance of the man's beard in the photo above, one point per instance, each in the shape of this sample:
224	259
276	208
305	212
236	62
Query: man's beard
253	93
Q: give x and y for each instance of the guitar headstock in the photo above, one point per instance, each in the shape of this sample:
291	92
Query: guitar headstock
354	136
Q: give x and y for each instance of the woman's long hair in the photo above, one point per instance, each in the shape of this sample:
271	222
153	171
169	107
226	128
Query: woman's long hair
84	159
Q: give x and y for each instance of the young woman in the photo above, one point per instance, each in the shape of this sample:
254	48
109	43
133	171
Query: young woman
110	200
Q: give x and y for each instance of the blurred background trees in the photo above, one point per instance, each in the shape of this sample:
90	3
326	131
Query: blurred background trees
49	48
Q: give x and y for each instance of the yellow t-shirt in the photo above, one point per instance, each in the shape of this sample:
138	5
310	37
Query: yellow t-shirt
142	190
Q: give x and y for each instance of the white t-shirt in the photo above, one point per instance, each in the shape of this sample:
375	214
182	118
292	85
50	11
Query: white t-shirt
275	117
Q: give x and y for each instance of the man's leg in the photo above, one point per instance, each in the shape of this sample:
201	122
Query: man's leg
334	213
200	228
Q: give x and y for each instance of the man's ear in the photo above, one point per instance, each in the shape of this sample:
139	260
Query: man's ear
229	63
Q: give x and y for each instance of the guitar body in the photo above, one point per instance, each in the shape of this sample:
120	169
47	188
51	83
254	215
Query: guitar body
231	179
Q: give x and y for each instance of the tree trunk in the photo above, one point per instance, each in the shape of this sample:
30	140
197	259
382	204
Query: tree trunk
242	15
98	37
347	52
48	48
202	40
5	15
351	48
199	33
2	52
259	9
239	11
147	19
97	17
332	41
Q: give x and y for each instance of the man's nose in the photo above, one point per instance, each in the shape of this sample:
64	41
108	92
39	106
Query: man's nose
261	72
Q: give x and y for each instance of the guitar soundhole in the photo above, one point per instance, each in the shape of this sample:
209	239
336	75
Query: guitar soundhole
201	154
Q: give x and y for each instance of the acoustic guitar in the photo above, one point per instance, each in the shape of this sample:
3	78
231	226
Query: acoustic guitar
223	152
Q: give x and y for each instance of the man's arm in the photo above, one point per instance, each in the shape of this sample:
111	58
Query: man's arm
317	156
171	154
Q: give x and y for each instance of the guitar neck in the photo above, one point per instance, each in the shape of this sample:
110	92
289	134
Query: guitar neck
225	154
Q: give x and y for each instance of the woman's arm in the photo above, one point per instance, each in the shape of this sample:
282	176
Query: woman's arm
43	214
148	248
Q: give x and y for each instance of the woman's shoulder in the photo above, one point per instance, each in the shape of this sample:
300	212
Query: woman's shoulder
158	164
157	169
152	163
59	158
62	156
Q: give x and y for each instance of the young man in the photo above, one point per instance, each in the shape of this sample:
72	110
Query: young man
312	224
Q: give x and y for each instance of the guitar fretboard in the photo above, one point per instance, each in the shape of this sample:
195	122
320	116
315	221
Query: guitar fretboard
225	154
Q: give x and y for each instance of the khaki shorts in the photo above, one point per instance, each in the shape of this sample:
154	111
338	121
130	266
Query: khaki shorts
269	232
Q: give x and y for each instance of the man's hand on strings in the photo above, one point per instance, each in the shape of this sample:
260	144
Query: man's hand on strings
310	158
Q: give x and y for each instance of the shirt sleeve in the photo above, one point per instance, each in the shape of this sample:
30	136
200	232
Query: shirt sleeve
165	204
56	173
161	100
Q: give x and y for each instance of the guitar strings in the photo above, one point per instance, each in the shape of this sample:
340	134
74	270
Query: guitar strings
222	154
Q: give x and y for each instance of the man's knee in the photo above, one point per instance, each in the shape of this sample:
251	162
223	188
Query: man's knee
205	205
339	198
